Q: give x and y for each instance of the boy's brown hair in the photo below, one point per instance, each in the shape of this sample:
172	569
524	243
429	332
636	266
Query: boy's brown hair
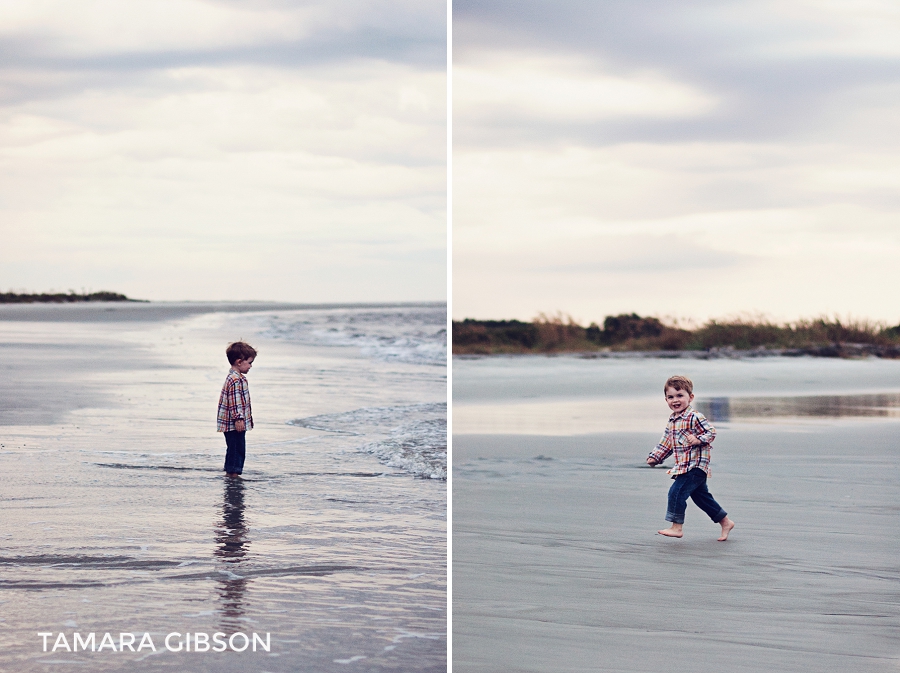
239	350
679	383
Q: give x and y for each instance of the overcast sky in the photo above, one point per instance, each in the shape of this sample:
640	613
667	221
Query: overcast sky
224	149
689	159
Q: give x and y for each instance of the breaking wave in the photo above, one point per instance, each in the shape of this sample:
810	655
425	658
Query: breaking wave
416	335
411	437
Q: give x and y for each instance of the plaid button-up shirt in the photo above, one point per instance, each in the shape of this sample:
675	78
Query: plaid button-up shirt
234	403
687	457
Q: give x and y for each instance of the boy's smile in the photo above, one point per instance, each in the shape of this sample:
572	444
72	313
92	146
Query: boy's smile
678	400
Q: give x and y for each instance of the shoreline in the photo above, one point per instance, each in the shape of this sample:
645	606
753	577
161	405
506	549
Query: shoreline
96	311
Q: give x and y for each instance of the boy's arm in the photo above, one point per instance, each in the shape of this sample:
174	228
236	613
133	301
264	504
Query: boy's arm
707	433
242	404
235	407
662	451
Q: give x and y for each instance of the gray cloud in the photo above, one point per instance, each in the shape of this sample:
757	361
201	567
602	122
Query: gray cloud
768	88
427	50
40	64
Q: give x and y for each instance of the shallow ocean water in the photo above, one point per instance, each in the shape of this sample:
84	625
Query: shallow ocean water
569	395
118	518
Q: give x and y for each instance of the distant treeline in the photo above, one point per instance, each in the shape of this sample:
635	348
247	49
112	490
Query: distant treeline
630	332
60	298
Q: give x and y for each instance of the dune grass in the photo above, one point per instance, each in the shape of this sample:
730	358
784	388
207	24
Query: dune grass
630	332
746	335
60	297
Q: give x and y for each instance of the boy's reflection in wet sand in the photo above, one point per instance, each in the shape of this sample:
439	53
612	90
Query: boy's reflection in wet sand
232	544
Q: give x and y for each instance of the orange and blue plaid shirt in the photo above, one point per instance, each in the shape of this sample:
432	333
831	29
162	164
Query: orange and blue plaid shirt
674	440
234	403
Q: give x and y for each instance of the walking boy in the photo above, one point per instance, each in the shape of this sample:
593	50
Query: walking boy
689	436
235	415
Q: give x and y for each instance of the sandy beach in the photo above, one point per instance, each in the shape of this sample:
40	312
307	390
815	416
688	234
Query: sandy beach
556	563
118	518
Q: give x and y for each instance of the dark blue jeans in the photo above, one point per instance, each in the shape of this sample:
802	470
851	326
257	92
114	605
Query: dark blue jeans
692	485
234	455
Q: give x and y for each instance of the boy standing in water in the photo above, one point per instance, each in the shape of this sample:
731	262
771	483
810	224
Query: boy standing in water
689	436
235	415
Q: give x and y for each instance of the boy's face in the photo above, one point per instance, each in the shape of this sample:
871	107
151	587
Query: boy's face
243	366
678	400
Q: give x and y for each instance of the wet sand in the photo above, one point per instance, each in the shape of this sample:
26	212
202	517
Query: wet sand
557	566
117	517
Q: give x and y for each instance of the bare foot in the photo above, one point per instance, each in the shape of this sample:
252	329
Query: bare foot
727	524
671	532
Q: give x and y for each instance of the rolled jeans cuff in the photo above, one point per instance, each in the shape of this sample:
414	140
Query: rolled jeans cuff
674	518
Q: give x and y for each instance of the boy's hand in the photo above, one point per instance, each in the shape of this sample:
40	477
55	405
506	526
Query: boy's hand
651	462
239	426
693	441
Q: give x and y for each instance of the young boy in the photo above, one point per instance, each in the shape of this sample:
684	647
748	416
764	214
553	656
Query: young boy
689	436
235	416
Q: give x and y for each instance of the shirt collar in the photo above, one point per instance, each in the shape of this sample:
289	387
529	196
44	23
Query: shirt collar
673	416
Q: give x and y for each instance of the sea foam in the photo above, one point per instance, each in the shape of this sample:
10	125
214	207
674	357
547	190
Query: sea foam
411	437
